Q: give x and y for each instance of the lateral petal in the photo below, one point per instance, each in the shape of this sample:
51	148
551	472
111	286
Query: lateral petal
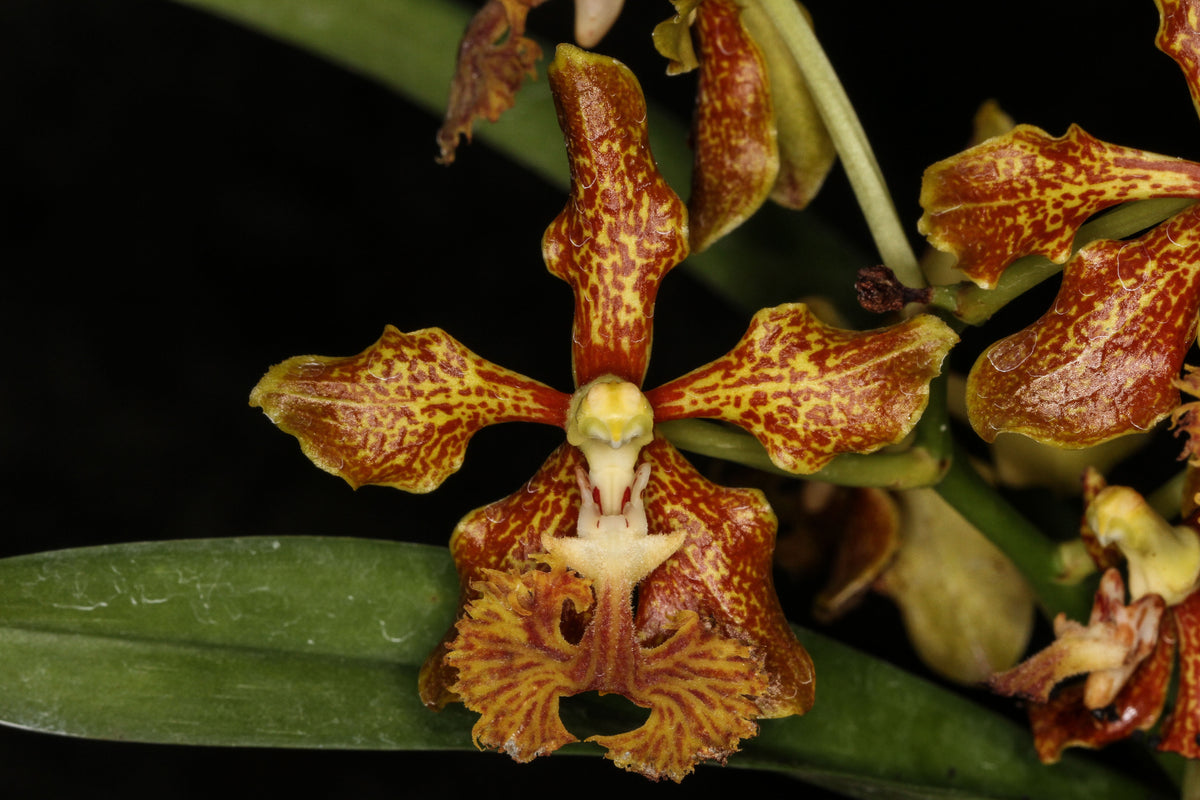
733	130
809	391
722	572
501	537
1026	192
623	228
401	412
1103	361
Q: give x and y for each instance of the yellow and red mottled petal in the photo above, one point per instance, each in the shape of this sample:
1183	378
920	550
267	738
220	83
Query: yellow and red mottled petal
722	572
700	688
1179	37
623	228
733	130
513	662
1027	192
1181	731
809	391
1103	361
494	57
1065	721
806	150
503	536
401	412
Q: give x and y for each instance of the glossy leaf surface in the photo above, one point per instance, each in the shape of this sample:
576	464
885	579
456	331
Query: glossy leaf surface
315	642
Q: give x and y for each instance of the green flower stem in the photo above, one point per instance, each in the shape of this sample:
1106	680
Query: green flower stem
974	305
904	470
1166	499
1034	554
849	138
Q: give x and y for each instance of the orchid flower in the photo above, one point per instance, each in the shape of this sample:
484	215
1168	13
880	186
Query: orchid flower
548	573
1126	651
756	130
1104	360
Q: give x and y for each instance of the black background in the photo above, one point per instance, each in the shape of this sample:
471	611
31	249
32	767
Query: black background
186	203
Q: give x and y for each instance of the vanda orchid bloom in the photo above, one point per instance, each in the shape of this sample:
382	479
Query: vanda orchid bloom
1104	360
1127	651
756	130
548	573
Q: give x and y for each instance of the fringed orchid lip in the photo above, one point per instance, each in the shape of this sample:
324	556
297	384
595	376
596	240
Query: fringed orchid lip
548	573
1102	362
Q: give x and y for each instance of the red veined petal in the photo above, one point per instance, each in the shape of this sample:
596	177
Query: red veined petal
1027	192
809	391
1179	37
504	536
733	130
1103	361
722	572
401	412
623	228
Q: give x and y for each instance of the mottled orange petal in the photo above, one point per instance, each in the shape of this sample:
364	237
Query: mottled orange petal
1103	361
1027	192
513	662
809	391
505	535
494	57
1065	721
401	412
1179	37
733	129
722	572
623	228
700	687
1181	731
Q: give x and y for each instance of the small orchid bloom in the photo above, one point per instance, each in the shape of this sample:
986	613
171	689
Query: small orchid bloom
1126	651
756	131
1103	361
549	573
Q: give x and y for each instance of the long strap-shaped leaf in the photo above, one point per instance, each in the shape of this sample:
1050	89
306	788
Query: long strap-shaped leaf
315	642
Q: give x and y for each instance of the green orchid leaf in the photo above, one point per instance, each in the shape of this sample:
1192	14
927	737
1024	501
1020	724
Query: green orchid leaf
292	642
316	642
